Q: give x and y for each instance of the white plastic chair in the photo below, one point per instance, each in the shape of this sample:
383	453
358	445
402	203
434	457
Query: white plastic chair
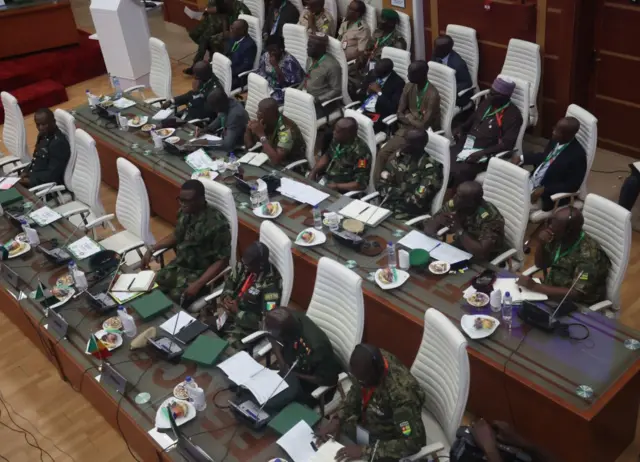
257	10
366	134
159	74
401	61
465	43
588	138
404	27
335	49
331	8
370	17
298	4
295	42
15	136
523	62
221	66
299	107
444	79
258	89
280	256
132	212
255	32
442	370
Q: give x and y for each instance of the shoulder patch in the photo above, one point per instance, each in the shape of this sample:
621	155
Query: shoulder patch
429	165
484	214
405	428
270	296
362	163
284	136
269	306
584	277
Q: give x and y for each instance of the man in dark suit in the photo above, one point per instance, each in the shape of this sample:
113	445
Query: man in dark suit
278	13
380	92
241	50
444	53
561	167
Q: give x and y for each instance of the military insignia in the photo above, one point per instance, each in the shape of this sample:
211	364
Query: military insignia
284	137
428	166
584	277
271	296
405	428
362	163
377	410
270	306
484	214
421	189
254	290
450	204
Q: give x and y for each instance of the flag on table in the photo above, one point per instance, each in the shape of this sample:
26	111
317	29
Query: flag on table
97	348
39	291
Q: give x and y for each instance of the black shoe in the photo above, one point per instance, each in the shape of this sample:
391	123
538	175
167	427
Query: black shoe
188	71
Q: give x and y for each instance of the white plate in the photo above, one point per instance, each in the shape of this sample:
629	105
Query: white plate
105	326
467	325
446	270
143	121
173	139
258	212
99	334
62	301
480	294
152	127
401	278
162	421
26	248
212	175
22	237
318	238
171	131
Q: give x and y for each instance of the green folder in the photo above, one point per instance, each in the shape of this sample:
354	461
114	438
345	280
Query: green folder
152	304
205	349
291	415
10	196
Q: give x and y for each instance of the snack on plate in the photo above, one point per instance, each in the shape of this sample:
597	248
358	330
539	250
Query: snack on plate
64	281
178	409
109	340
107	103
307	237
60	292
112	323
164	132
478	299
180	391
148	127
203	173
270	209
387	276
173	139
14	247
484	323
135	120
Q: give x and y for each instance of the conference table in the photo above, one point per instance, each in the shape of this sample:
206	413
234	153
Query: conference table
579	399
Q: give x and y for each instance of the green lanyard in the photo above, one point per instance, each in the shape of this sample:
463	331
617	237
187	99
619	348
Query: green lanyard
558	256
380	42
223	120
419	97
311	68
486	113
236	45
555	153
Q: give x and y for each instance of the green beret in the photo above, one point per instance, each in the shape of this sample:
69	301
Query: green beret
418	257
388	13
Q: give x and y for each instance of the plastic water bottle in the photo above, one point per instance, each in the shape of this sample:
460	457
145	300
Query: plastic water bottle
195	393
30	233
507	308
91	98
78	276
233	163
254	197
495	300
128	324
189	384
392	261
116	85
317	218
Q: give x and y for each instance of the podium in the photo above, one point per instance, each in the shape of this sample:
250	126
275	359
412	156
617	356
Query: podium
123	33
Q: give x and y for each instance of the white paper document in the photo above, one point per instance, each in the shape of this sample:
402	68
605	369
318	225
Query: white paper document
365	212
8	182
518	293
124	103
197	15
177	322
134	282
163	114
207	137
327	452
297	442
254	158
84	248
163	440
199	160
437	249
44	216
301	192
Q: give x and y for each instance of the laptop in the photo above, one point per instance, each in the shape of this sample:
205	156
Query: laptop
190	451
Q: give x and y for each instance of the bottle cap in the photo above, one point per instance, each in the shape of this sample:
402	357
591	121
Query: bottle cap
390	243
315	206
507	294
188	379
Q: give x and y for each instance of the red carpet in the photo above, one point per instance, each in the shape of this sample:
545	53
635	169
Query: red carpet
39	79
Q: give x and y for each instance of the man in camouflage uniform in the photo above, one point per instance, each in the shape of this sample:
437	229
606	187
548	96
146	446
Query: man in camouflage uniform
201	241
384	407
347	163
195	100
477	225
411	179
214	27
280	137
316	19
568	253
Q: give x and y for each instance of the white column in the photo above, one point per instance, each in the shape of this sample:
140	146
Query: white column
418	29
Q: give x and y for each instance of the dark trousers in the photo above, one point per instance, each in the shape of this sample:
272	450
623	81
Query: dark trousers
629	192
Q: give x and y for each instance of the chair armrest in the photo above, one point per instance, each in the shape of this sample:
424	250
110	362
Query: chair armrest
218	276
154	100
100	220
194	121
462	92
559	196
354	193
601	305
18	168
160	252
321	390
329	101
255	336
134	88
368	197
296	164
439	132
503	256
353	104
415	220
530	271
393	118
59	188
6	160
255	147
130	247
503	154
41	187
215	294
242	74
77	211
428	450
476	98
349	63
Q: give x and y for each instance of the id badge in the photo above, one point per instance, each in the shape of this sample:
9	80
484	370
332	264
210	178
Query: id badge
323	181
362	436
344	45
222	318
372	65
470	142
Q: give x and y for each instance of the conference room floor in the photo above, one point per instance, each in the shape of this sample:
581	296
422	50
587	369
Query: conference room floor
55	414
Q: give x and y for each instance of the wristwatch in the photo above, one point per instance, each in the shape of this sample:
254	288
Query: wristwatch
459	233
263	138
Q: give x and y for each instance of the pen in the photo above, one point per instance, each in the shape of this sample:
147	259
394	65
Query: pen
437	245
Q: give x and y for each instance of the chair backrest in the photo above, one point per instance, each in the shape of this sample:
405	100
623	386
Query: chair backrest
588	138
279	255
368	135
335	50
220	198
337	307
520	98
255	32
67	125
404	27
221	66
300	108
331	8
132	205
370	17
507	187
444	79
298	4
465	43
401	61
442	370
343	7
439	149
160	75
295	42
523	62
87	173
258	89
257	10
610	225
14	134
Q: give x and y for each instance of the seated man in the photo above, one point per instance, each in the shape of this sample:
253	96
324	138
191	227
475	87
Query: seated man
323	79
477	225
231	122
201	240
196	99
280	137
354	32
493	128
295	337
382	410
380	93
277	14
279	67
444	53
560	167
568	253
316	19
213	28
347	163
410	179
51	155
241	50
419	108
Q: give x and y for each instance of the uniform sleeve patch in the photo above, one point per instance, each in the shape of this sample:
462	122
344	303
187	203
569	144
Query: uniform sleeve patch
421	189
284	136
584	277
405	428
362	163
270	306
450	203
484	214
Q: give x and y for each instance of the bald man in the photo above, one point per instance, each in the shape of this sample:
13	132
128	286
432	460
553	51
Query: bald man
444	53
280	137
568	253
347	163
323	78
241	50
477	225
560	168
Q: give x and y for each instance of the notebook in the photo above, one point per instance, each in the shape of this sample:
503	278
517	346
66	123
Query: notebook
254	158
291	415
151	304
205	349
140	282
10	196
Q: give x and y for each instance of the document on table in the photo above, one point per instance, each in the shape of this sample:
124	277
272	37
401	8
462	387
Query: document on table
437	249
327	452
254	158
177	322
297	442
84	248
197	15
518	293
8	182
363	211
44	216
207	137
123	103
163	114
301	192
199	160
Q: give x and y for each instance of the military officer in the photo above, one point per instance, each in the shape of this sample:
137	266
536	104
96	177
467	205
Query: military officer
201	240
280	137
196	99
354	32
410	179
477	225
315	18
51	155
382	411
347	163
569	253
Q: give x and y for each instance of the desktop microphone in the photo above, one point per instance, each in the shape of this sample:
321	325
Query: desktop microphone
295	363
58	254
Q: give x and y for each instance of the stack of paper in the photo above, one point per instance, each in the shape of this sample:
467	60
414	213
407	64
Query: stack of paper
327	452
297	442
197	15
8	182
301	192
44	216
438	250
84	248
175	323
365	212
163	114
123	103
199	160
243	370
518	293
254	158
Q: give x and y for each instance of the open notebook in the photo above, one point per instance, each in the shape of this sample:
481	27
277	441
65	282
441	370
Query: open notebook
140	282
366	213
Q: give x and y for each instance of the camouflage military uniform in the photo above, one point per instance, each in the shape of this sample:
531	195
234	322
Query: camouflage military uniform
324	22
585	255
407	185
287	136
349	163
208	34
392	415
202	239
376	43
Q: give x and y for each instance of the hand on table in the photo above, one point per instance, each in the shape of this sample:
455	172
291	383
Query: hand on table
328	431
351	452
526	281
